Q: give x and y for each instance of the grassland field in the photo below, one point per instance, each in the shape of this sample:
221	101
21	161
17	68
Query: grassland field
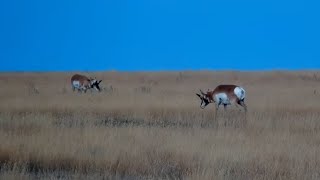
148	125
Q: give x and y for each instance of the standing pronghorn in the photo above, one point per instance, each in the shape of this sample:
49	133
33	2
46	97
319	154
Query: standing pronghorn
223	95
82	83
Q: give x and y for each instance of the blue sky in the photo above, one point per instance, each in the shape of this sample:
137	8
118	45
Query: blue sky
64	35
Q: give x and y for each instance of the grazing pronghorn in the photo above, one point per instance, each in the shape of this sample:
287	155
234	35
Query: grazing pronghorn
223	95
82	83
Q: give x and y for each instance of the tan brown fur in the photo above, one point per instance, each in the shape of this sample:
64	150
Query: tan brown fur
84	81
228	89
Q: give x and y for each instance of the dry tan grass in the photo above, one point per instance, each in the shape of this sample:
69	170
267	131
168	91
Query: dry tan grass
149	126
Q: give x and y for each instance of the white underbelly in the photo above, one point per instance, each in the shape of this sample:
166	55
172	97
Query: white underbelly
76	84
222	98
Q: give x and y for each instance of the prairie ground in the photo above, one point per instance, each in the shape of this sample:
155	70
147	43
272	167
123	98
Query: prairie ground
148	125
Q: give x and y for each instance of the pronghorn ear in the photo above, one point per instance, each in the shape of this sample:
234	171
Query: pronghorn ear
99	82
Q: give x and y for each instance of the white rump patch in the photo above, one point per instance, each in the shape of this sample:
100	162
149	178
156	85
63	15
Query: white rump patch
240	92
77	84
222	98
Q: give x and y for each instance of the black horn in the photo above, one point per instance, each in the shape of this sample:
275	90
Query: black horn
202	92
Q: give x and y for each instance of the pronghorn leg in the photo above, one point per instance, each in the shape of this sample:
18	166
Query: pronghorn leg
244	106
245	111
225	109
241	103
237	106
217	104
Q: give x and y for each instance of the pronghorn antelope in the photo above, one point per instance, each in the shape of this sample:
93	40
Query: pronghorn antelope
82	83
223	95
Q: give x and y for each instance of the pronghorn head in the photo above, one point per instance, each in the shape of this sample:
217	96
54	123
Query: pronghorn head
94	83
205	99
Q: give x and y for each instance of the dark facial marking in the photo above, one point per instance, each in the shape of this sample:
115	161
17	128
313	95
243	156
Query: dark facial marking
204	101
96	84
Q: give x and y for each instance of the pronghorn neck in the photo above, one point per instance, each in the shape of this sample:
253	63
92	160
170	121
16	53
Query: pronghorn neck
209	95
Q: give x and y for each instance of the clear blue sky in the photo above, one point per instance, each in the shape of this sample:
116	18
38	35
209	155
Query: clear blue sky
60	35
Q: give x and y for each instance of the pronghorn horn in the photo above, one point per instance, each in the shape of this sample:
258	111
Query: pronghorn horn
202	92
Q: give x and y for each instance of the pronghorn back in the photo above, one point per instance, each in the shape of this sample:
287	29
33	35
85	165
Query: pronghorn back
78	77
233	91
225	89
